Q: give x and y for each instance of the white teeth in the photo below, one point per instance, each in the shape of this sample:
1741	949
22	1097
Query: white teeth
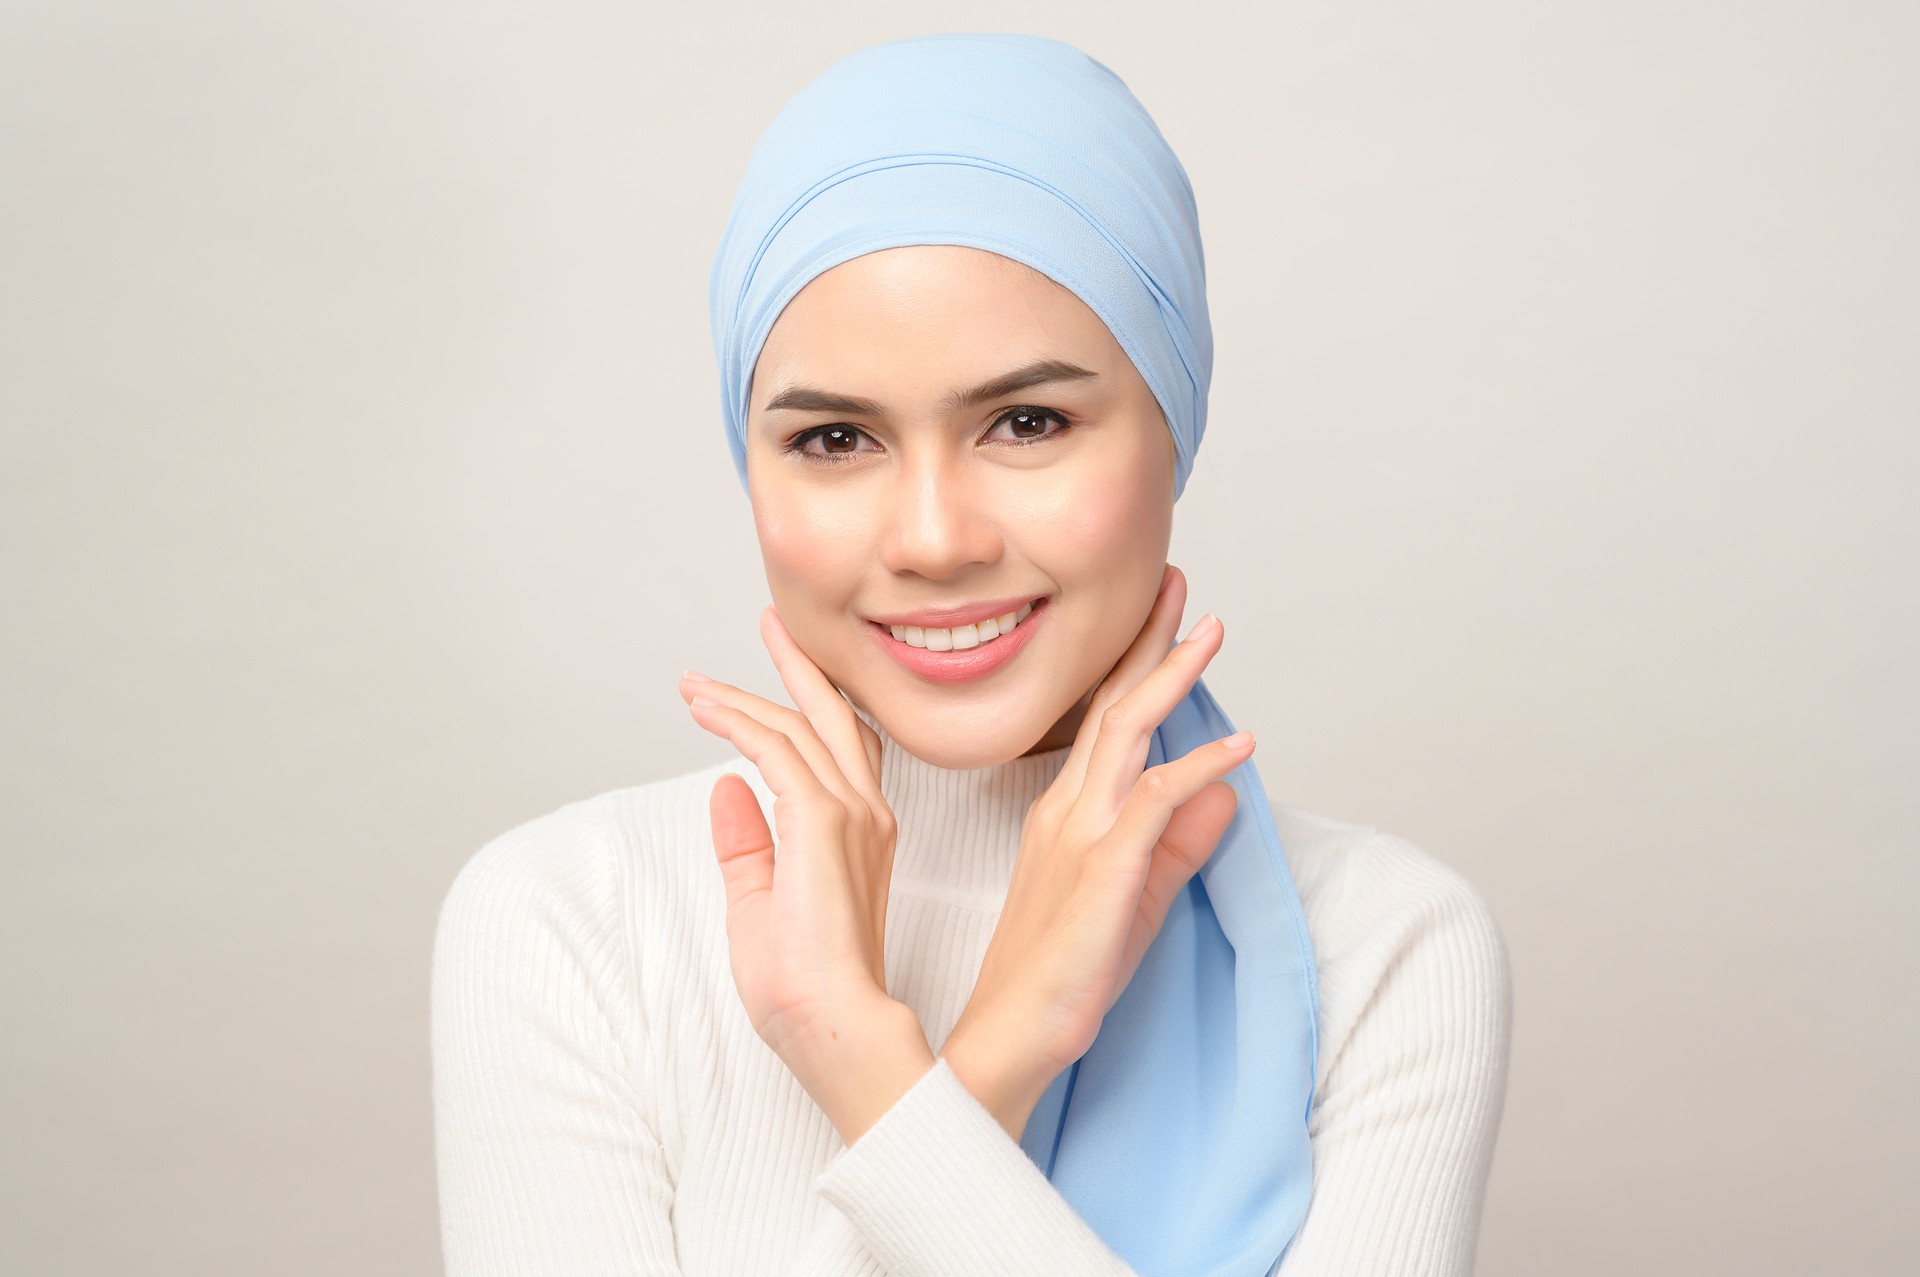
961	637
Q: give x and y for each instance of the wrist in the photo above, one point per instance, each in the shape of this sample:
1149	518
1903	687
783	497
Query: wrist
1002	1088
862	1068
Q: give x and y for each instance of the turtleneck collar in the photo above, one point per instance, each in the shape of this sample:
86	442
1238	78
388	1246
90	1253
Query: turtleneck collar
959	831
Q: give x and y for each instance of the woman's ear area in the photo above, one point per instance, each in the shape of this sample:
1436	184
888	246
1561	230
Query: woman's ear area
752	437
1171	451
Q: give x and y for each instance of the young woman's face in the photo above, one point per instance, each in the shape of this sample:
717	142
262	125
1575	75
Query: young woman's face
883	489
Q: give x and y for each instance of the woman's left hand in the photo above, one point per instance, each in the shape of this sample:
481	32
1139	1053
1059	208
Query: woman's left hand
1103	854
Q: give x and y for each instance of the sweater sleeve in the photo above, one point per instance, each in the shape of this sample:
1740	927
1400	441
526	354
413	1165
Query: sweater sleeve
1417	990
936	1188
547	1160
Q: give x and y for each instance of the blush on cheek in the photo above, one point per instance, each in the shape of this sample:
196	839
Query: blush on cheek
800	571
1112	525
1102	537
813	568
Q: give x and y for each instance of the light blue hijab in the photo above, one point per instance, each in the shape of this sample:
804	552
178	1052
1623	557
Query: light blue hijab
1181	1135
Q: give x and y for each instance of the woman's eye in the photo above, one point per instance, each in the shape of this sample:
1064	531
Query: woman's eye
838	443
1028	424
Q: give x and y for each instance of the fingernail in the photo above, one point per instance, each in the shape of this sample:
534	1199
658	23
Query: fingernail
694	676
1238	739
703	700
1203	625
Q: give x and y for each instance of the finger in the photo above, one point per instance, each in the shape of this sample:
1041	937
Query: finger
785	770
784	719
1148	648
742	843
1148	811
825	707
1124	739
870	741
1192	835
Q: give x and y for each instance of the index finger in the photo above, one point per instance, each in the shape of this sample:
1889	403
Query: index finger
825	708
1147	650
1124	739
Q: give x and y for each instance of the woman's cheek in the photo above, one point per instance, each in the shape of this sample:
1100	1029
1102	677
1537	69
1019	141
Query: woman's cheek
1114	521
809	569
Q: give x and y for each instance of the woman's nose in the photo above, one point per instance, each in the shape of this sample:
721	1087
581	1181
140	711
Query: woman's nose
939	522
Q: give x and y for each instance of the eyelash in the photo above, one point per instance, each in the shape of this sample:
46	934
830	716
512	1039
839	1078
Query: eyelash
798	444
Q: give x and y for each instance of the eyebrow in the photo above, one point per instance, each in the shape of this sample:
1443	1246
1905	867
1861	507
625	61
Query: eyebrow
1040	372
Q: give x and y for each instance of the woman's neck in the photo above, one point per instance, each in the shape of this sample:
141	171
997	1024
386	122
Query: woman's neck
959	830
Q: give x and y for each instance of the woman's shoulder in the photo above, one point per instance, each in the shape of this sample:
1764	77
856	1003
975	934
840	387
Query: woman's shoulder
588	856
1416	1032
1373	898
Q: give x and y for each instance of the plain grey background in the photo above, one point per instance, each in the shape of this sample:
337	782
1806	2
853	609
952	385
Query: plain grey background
364	494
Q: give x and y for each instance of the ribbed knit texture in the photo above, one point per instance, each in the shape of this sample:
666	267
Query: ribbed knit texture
602	1105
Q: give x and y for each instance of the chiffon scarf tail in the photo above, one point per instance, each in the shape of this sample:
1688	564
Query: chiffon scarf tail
1181	1135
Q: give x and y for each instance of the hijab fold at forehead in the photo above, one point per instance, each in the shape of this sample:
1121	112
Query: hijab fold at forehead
1180	1136
1019	145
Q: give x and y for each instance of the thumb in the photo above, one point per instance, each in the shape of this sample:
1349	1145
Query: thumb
741	840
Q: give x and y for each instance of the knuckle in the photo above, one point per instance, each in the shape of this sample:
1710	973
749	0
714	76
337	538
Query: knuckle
1118	719
1045	810
1155	785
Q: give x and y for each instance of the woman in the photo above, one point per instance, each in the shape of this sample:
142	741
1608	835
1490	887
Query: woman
985	956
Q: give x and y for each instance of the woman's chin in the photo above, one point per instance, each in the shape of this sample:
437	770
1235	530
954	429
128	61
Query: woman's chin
954	741
963	760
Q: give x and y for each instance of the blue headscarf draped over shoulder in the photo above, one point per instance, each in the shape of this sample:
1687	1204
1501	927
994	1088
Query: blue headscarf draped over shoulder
1181	1135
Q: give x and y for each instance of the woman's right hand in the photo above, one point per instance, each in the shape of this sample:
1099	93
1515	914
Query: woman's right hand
806	928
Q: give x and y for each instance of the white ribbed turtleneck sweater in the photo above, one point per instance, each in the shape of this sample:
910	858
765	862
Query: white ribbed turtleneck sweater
602	1105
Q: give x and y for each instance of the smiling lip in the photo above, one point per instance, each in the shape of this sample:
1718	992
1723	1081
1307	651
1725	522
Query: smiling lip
961	667
946	618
